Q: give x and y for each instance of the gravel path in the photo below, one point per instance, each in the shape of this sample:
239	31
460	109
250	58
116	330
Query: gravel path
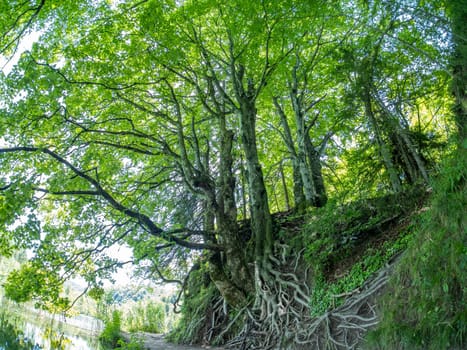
157	342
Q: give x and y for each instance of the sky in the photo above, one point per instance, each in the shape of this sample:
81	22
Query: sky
25	44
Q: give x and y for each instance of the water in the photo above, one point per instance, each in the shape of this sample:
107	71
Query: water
17	333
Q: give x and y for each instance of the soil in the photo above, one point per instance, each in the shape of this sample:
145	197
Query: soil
157	342
343	267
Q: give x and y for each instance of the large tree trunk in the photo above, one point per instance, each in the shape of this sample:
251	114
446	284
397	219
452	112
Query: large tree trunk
261	221
234	254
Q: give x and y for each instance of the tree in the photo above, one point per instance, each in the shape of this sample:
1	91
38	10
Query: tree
308	179
153	123
381	76
84	117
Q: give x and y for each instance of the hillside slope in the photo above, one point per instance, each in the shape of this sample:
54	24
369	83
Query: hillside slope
331	264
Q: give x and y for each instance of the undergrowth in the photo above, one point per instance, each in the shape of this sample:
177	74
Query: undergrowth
326	296
111	336
148	316
198	298
425	307
334	232
11	337
348	237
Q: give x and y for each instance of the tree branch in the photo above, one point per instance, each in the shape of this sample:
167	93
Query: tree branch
143	219
18	36
67	193
118	87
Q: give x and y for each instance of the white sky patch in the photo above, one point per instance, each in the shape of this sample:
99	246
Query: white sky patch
25	44
3	143
125	274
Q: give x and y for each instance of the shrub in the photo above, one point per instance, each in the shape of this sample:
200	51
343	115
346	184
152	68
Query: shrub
110	336
147	316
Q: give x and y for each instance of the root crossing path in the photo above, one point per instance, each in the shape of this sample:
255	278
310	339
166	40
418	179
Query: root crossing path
157	342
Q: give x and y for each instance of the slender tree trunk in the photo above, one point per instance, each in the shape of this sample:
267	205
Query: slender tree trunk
405	161
284	186
416	156
307	178
308	158
383	147
299	195
414	165
243	188
314	160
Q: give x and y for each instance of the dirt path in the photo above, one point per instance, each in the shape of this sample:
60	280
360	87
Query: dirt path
157	342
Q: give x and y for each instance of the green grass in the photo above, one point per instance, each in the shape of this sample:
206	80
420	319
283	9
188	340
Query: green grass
426	305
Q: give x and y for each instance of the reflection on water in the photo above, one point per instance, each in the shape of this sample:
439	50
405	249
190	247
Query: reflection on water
39	334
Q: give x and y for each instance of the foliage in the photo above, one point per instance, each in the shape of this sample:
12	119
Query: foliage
110	336
135	343
113	134
335	232
147	316
199	297
338	233
152	124
11	338
425	308
119	296
327	295
56	339
138	311
29	282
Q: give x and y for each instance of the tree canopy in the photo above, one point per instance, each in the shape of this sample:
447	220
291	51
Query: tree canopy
168	125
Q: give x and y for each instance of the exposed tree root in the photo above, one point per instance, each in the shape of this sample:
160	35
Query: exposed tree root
280	318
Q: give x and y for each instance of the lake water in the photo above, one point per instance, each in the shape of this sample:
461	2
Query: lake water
43	333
